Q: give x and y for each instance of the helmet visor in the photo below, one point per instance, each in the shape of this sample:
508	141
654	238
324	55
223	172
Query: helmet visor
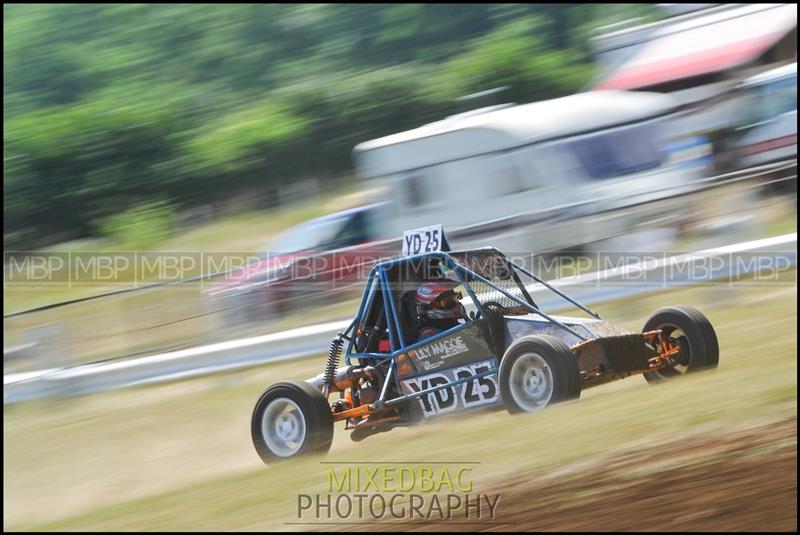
446	301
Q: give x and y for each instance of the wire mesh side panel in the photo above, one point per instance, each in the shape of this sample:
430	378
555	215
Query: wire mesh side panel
493	266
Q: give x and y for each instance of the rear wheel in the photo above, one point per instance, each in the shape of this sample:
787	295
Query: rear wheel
537	371
291	418
692	332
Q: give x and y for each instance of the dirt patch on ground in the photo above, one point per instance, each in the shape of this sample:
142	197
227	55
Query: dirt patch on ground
742	481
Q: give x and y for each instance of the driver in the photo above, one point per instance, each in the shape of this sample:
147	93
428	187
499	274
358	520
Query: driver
438	307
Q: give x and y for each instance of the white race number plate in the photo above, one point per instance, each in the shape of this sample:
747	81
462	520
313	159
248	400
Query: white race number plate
423	240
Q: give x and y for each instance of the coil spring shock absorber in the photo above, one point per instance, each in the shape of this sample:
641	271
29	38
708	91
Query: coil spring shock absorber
331	364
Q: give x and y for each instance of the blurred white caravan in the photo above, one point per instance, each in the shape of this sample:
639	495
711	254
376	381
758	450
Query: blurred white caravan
558	166
767	130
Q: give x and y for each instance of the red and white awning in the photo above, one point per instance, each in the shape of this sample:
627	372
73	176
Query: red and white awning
705	45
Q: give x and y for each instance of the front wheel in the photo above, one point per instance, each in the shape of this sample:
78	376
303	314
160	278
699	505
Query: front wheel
291	418
537	371
691	331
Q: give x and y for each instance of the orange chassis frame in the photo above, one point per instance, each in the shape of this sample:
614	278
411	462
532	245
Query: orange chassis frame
667	352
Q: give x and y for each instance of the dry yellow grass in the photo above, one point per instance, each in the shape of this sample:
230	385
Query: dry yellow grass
179	456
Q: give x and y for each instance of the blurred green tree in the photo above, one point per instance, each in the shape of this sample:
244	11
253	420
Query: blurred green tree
108	106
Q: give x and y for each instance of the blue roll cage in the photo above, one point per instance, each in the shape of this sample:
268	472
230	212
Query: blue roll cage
378	281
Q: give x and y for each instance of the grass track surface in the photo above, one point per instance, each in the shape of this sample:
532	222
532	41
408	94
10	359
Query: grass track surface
179	457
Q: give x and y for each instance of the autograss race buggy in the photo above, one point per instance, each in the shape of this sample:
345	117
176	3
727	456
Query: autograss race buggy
507	352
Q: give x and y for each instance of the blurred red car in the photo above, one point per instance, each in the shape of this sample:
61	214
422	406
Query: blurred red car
307	264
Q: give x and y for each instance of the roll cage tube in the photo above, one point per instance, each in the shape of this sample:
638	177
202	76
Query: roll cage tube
471	294
554	290
391	310
379	276
389	316
392	318
525	305
363	307
367	297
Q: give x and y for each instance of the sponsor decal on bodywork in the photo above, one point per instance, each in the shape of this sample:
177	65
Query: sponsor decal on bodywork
482	391
435	354
461	347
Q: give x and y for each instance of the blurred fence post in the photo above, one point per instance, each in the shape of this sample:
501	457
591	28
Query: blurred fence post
213	323
51	348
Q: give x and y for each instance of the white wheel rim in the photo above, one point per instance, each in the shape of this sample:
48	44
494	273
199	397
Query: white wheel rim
531	382
283	427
